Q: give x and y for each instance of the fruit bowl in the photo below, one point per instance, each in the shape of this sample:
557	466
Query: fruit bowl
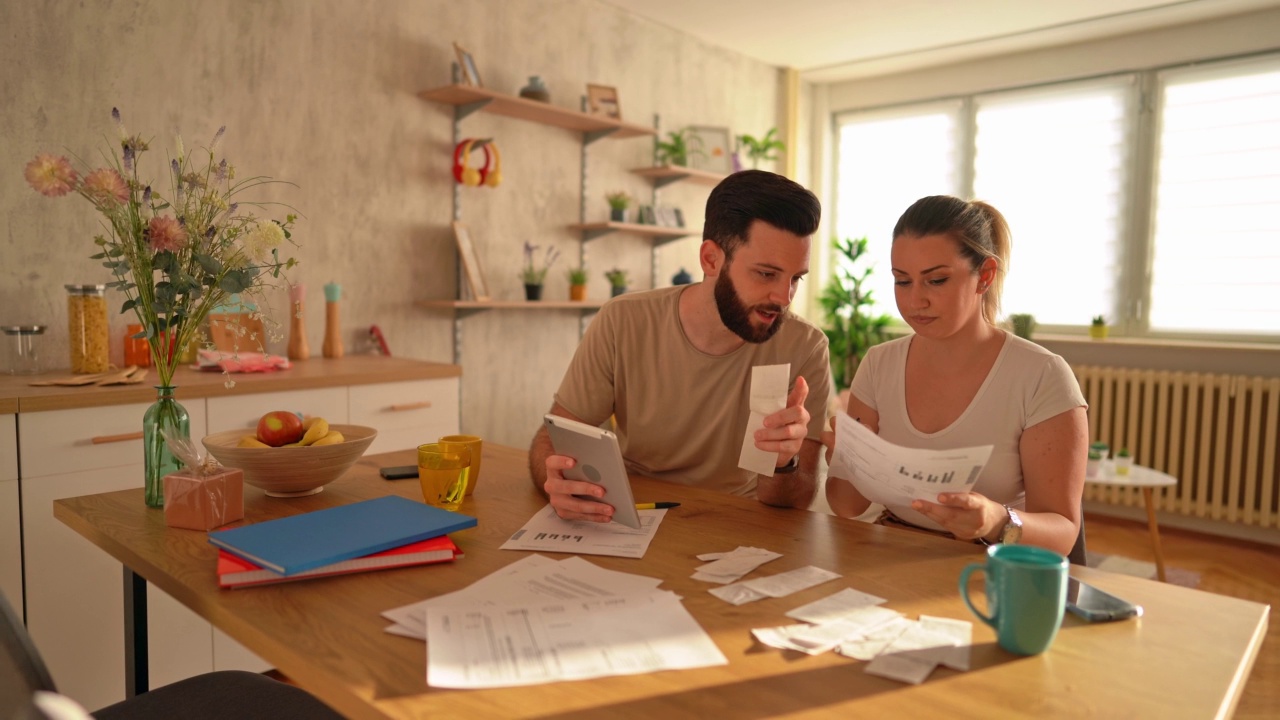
291	471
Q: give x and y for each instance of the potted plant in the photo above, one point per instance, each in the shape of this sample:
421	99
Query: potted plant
1093	468
1024	324
1098	328
618	203
850	328
761	149
617	281
1124	461
578	283
678	148
532	274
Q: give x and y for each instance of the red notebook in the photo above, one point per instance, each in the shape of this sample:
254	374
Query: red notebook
237	572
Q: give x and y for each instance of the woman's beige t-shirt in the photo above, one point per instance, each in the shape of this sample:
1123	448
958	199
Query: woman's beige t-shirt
1026	386
682	414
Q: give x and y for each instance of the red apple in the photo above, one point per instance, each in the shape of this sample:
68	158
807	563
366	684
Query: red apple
280	427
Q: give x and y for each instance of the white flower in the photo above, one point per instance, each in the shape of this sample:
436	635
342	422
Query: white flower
264	238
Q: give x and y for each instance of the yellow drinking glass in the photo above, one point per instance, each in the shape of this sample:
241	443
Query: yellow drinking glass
443	473
472	442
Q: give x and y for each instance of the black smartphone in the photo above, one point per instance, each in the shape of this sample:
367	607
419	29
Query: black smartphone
399	472
1095	605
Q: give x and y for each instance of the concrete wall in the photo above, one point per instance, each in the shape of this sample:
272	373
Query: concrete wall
323	94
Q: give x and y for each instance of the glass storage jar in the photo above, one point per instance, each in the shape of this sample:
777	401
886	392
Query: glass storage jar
87	328
22	356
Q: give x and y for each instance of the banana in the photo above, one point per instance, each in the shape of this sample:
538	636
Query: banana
316	429
333	438
251	441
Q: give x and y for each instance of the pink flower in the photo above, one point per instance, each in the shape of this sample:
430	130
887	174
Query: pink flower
104	186
166	233
50	175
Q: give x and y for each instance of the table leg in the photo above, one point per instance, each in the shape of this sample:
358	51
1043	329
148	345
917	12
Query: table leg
1155	531
135	634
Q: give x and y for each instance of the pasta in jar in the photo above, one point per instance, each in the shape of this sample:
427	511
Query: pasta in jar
87	328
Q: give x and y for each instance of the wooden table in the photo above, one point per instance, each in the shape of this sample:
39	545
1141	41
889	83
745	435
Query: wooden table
1188	656
1147	479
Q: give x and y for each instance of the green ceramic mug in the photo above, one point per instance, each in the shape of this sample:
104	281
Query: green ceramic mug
1026	595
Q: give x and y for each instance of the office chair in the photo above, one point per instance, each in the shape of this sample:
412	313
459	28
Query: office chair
215	696
1077	554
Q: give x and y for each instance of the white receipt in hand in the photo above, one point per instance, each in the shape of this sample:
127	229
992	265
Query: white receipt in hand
768	396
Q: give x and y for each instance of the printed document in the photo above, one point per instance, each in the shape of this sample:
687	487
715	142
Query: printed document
768	396
893	475
548	532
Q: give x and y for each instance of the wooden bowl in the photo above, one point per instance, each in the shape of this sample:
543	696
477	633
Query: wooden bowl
291	471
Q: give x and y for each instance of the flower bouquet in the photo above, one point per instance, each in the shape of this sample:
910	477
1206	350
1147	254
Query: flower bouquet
178	247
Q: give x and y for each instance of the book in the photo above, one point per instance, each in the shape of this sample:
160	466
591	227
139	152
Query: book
237	572
290	545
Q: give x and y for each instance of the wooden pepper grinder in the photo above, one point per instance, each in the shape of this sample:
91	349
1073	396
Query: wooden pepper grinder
298	348
332	322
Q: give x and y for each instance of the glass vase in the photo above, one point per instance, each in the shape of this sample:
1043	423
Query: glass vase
168	415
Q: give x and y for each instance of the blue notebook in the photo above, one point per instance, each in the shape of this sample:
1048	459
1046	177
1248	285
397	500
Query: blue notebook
301	542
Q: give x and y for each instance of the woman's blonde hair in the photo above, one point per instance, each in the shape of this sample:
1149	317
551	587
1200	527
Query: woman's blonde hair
979	228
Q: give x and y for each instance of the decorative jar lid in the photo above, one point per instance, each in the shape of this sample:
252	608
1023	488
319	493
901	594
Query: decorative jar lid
87	289
23	329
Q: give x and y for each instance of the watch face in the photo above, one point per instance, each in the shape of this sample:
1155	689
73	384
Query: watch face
1012	533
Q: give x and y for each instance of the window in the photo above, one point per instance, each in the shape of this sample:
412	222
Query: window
1216	249
1158	209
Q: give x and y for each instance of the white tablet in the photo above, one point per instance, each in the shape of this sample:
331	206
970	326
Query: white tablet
599	460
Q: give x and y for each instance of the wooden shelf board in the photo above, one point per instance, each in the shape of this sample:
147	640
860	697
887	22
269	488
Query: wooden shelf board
675	172
534	111
655	231
512	304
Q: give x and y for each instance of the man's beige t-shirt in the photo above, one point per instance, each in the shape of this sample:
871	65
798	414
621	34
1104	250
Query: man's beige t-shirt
682	413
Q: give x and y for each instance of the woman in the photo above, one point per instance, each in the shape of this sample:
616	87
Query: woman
960	381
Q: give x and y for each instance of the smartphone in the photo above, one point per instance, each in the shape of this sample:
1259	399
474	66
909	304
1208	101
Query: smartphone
1095	605
398	472
599	460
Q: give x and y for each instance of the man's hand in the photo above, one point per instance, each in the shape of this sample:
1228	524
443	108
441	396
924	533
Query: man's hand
785	430
561	491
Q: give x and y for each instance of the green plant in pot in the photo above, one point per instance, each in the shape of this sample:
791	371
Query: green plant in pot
1023	324
617	281
678	148
578	283
764	148
850	327
1098	328
618	203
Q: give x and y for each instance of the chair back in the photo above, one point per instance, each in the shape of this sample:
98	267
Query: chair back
1077	556
22	672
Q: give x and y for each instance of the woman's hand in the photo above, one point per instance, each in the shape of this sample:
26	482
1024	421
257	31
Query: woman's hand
968	516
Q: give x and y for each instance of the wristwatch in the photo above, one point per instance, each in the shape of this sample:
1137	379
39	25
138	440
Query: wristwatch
1012	532
792	465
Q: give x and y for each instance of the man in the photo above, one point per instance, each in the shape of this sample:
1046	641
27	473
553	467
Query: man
673	366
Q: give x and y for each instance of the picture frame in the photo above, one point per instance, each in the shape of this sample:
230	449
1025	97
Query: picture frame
470	74
470	261
716	146
603	100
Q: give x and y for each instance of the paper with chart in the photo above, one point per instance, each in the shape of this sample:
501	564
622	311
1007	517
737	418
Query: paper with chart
548	532
768	396
894	475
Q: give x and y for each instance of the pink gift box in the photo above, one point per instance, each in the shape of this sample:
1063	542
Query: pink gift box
203	502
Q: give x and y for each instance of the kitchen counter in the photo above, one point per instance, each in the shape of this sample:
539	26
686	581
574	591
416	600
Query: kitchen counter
18	396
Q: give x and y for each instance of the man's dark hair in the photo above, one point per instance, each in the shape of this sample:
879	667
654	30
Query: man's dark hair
750	195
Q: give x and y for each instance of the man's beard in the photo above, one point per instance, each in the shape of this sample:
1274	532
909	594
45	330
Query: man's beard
737	316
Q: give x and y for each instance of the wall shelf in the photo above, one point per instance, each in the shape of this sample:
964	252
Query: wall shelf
469	99
661	234
589	305
667	174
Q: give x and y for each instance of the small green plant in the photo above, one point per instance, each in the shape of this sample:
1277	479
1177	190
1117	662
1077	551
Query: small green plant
762	148
679	148
578	276
1024	324
850	328
619	200
616	277
1123	452
1099	321
532	274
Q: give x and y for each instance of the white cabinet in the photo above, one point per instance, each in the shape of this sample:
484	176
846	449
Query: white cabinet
10	514
406	414
74	590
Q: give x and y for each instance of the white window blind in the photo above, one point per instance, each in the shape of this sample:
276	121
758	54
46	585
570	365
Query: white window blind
1216	235
888	160
1055	162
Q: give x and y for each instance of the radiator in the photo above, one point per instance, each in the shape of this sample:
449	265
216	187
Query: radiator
1217	434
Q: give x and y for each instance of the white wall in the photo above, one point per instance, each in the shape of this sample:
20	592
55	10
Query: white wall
323	93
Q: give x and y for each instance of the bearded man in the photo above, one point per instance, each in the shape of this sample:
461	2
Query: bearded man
672	366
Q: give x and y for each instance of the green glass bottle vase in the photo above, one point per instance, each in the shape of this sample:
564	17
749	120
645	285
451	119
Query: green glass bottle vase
168	415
